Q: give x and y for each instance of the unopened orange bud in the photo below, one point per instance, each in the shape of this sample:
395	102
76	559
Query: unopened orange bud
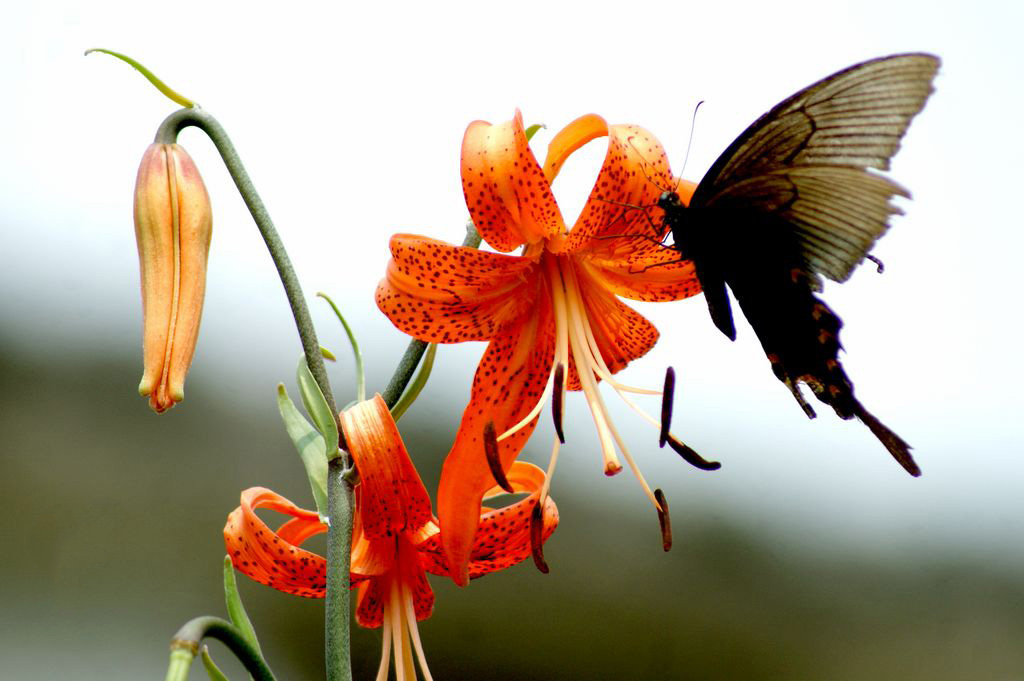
173	224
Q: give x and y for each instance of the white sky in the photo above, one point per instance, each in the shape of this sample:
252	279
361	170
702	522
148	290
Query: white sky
350	117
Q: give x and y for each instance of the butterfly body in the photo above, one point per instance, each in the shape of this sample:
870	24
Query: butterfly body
791	200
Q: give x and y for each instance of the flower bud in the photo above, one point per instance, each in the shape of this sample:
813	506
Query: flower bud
173	224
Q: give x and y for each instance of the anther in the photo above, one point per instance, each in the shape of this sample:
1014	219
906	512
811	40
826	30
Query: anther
537	537
692	457
493	460
663	519
667	395
558	400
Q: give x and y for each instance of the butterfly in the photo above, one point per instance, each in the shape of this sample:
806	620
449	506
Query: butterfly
794	198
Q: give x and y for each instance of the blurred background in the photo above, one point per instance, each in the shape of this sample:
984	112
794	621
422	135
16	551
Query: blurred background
809	555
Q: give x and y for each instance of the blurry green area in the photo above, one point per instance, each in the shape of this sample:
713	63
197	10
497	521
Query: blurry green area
112	539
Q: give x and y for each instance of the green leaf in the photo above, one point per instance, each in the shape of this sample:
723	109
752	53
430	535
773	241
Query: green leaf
414	389
212	670
150	76
236	611
360	371
317	408
310	445
532	130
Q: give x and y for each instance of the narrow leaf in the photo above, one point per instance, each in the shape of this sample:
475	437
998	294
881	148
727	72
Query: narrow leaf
360	370
420	380
310	445
317	408
150	76
236	611
212	670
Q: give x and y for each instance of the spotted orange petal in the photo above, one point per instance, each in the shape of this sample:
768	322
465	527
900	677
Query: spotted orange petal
503	537
652	273
621	333
393	499
509	382
270	558
634	173
640	266
508	196
570	138
441	293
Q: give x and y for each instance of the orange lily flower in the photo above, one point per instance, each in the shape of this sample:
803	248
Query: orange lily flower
553	306
395	538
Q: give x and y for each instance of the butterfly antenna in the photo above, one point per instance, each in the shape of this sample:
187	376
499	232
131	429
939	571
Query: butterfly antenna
689	143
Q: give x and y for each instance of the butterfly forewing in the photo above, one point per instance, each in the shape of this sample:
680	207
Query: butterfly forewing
806	160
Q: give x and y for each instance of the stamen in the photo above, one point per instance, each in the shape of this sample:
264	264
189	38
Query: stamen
494	459
402	672
664	520
690	456
632	464
585	371
385	655
537	537
550	472
558	401
667	396
647	417
414	632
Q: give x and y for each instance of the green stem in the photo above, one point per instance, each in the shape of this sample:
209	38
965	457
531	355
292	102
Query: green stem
167	134
339	489
411	359
185	646
339	555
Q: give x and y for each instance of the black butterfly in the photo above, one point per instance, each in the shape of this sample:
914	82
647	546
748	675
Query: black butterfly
792	199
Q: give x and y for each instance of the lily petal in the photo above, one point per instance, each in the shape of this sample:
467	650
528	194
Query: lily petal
509	382
441	293
503	537
641	267
634	174
652	273
621	333
269	558
570	138
393	499
508	196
